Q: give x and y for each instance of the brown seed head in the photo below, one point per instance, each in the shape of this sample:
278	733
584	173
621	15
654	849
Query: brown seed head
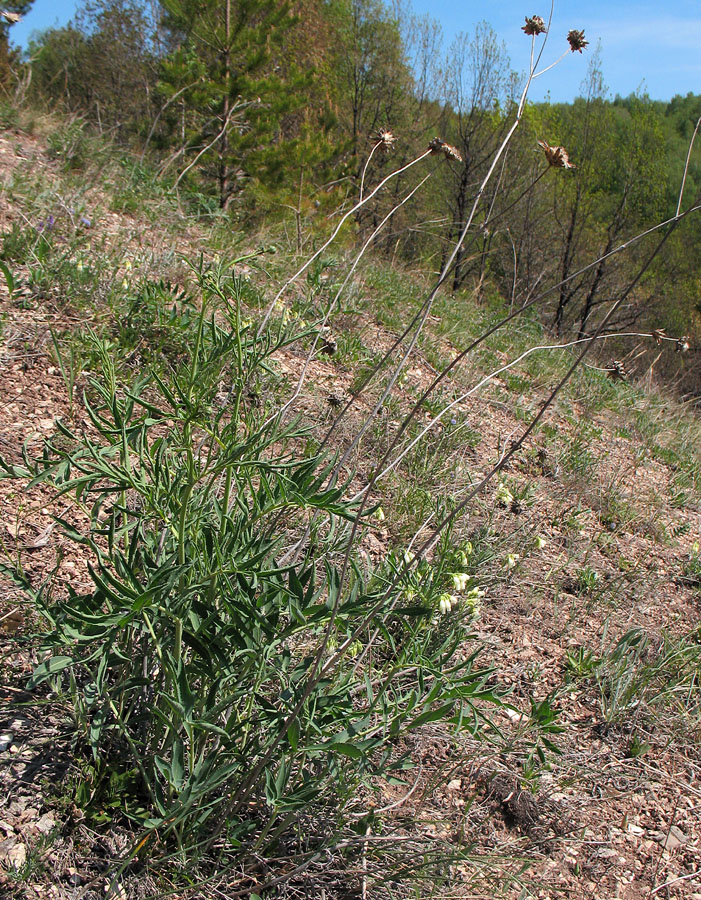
556	156
385	139
534	25
683	344
576	40
617	371
450	152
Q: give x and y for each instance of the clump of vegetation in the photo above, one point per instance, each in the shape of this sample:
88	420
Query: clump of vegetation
245	679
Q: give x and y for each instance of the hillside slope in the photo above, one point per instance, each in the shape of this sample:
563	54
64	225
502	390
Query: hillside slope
586	548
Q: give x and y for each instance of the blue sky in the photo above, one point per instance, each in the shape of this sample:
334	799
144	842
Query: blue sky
643	45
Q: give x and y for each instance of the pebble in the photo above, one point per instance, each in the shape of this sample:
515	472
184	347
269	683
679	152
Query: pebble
675	838
45	824
6	741
13	853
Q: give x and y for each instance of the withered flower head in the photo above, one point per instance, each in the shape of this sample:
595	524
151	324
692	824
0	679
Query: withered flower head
12	17
556	156
534	25
329	344
450	152
576	40
683	344
659	335
386	139
617	371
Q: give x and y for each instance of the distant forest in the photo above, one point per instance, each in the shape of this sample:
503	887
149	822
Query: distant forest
271	111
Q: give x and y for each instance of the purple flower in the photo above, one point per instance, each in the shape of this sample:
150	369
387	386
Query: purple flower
46	225
85	221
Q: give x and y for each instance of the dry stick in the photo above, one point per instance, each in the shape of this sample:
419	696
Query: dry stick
227	121
686	165
341	223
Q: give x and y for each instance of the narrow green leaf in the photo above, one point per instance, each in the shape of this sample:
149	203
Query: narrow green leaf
49	667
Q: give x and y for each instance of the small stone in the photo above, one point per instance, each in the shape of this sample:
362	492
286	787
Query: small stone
455	784
13	853
5	741
45	824
675	838
73	878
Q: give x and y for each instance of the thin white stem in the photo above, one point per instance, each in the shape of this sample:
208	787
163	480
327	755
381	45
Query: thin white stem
486	380
218	136
428	305
334	302
552	65
686	165
341	223
661	887
365	168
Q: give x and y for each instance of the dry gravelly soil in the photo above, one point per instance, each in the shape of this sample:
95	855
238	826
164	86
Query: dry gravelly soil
601	822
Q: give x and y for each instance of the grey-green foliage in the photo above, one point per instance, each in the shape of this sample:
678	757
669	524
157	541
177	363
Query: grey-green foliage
219	675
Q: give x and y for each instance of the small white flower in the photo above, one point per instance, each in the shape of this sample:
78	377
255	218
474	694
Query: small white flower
125	283
502	495
128	264
408	557
460	580
380	514
464	554
445	604
540	542
511	560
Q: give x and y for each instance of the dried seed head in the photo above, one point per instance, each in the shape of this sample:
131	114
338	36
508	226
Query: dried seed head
576	40
617	371
659	335
329	345
450	152
534	25
556	156
385	139
683	344
336	398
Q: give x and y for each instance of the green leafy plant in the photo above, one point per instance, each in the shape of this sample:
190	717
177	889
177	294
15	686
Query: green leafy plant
210	665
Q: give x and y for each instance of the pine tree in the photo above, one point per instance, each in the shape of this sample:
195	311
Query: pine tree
228	86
